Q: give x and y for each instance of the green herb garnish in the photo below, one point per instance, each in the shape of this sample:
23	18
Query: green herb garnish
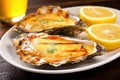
44	22
53	44
51	50
58	20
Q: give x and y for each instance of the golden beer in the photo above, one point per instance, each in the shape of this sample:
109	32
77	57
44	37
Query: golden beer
12	10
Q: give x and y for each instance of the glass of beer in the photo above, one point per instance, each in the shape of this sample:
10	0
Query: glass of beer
12	10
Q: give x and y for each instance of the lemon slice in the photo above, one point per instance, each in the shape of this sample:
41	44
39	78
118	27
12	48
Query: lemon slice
96	14
106	34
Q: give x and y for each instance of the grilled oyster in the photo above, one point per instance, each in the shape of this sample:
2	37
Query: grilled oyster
41	48
48	18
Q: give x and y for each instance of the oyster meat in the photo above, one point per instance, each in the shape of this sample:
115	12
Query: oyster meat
48	19
41	48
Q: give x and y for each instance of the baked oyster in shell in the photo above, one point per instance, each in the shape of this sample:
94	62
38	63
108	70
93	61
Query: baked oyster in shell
41	48
52	20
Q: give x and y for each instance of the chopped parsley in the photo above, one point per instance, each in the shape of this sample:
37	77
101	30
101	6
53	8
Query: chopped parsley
48	22
71	54
52	49
53	44
44	21
58	20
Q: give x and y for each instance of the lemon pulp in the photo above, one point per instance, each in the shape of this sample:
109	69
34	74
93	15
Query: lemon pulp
96	14
105	34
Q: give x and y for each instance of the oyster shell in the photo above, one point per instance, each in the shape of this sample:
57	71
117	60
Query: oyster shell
50	19
66	30
41	48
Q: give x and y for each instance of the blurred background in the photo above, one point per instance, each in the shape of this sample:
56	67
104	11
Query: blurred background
33	5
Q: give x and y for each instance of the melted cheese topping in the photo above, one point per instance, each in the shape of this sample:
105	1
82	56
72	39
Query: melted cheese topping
46	21
51	49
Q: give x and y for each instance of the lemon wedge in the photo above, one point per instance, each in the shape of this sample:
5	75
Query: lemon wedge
97	14
106	34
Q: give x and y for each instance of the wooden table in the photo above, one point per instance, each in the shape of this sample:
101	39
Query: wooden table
110	71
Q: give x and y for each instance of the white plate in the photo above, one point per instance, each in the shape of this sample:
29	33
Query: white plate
8	53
